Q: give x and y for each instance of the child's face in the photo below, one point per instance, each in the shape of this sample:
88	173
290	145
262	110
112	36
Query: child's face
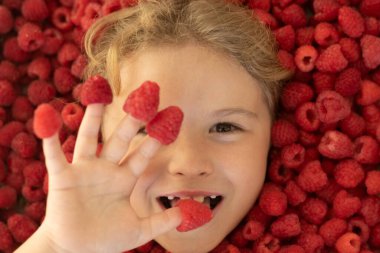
222	146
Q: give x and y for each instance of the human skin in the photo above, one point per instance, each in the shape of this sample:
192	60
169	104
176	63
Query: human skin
222	146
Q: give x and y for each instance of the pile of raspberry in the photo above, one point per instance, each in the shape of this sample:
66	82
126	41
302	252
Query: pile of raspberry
322	192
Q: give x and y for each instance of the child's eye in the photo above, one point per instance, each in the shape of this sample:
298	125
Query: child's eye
224	127
142	131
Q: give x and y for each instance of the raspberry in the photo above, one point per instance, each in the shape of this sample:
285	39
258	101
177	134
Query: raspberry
25	145
6	20
369	93
9	71
72	115
345	205
366	150
47	121
309	139
292	155
6	239
306	116
40	67
61	18
295	94
305	58
13	52
331	60
359	227
64	81
272	200
9	131
336	145
78	66
21	227
294	248
253	230
371	113
277	172
375	236
351	22
95	90
236	237
332	229
33	194
348	243
7	93
35	210
34	174
91	12
372	26
194	214
372	182
294	15
283	133
348	173
325	10
370	8
326	34
34	10
30	37
348	82
304	36
142	103
53	41
332	107
78	11
314	210
68	53
266	243
263	5
15	180
40	91
350	49
310	242
286	226
165	125
8	197
294	193
257	214
286	37
111	6
312	178
323	81
266	18
286	60
370	51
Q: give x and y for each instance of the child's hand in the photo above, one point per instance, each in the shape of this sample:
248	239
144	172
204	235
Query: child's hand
88	208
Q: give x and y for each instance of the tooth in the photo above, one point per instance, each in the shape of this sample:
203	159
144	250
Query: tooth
200	199
170	197
213	196
185	197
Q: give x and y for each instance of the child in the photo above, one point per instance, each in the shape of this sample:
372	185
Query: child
217	63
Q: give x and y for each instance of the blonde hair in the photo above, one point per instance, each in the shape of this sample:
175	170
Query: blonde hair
222	26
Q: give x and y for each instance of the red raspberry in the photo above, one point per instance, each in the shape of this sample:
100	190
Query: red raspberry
350	49
9	131
266	243
47	121
325	10
64	81
8	197
15	180
40	67
286	60
236	237
61	18
310	242
292	155
348	82
323	81
366	150
332	229
13	52
332	107
294	15
257	214
331	60
40	92
348	173
286	37
25	145
91	12
21	227
370	8
351	22
306	116
359	227
35	210
16	163
304	36
314	210
369	93
294	248
253	230
165	125
326	34
336	145
9	71
258	4
295	94
375	236
68	53
33	194
95	90
372	26
6	239
277	172
312	178
53	41
371	113
283	133
30	37
8	94
348	243
69	144
111	6
345	205
308	139
266	18
194	214
294	193
34	174
272	200
305	58
45	186
34	10
286	226
142	103
78	66
6	20
370	51
372	182
72	115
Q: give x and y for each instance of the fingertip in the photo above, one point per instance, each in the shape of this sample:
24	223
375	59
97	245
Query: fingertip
174	215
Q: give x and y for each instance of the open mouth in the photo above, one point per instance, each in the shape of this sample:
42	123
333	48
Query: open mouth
211	201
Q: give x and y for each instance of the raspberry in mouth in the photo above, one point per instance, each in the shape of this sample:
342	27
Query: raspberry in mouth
211	201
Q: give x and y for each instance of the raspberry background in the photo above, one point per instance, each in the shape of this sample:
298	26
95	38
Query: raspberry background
322	192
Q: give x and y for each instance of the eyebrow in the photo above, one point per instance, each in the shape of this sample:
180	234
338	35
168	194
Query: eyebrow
231	111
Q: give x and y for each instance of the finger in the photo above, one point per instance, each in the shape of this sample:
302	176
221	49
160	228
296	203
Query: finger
55	160
116	147
88	134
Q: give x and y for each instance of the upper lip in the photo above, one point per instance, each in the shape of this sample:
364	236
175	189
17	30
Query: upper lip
191	193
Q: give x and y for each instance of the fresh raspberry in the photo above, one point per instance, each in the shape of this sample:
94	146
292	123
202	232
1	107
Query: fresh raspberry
294	248
345	205
350	49
16	163
9	71
13	52
6	20
305	58
277	172
294	193
236	237
53	41
283	133
92	11
331	60
348	82
40	67
348	173
370	51
6	239
366	150
272	200
95	90
47	121
351	21
35	210
8	94
308	139
314	210
72	115
68	53
332	107
325	10
30	37
370	8
78	66
76	94
292	155
305	35
40	91
295	94
266	18
165	125
69	144
326	34
375	236
34	174
142	103
372	182
348	243
306	117
266	243
312	178
372	26
286	37
21	227
323	81
369	93
359	227
286	226
253	230
259	4
332	229
24	144
371	113
194	214
286	60
33	194
294	15
34	10
64	81
111	6
15	180
61	18
282	4
9	131
310	242
336	145
8	197
256	214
